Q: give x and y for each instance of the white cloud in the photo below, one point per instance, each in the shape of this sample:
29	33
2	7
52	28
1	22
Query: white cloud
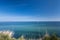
26	18
17	18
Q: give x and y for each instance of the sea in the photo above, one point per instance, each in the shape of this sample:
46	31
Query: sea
31	29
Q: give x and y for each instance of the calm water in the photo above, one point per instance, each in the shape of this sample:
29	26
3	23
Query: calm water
31	29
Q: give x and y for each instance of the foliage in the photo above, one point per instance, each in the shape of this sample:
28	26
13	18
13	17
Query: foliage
54	37
6	37
46	38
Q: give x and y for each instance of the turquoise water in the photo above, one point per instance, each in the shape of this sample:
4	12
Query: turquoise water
30	28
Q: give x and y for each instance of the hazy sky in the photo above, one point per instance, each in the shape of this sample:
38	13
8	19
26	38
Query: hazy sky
29	10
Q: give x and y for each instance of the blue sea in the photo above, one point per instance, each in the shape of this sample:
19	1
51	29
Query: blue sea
31	29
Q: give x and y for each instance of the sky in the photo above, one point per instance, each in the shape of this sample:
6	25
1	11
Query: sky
29	10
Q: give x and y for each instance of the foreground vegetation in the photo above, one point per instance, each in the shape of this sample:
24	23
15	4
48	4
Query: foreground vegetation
6	35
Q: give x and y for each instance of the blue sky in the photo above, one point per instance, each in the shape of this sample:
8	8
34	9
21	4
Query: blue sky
29	10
